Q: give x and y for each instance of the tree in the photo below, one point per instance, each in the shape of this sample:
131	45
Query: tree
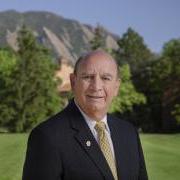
34	94
8	63
171	79
99	38
176	113
160	82
171	55
128	96
132	51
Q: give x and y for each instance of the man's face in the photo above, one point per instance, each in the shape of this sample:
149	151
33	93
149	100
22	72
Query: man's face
95	84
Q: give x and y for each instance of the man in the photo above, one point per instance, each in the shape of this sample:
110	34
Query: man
83	142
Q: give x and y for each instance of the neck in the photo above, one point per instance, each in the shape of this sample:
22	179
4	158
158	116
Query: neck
95	115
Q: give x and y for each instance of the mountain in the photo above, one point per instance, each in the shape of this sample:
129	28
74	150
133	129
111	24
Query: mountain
67	38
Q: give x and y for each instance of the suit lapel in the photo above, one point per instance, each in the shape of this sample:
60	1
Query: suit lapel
88	143
119	143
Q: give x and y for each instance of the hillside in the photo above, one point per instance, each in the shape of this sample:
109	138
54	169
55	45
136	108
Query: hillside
67	38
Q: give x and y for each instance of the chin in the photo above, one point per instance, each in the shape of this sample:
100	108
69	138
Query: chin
96	109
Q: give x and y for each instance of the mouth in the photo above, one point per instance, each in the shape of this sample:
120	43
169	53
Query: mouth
95	97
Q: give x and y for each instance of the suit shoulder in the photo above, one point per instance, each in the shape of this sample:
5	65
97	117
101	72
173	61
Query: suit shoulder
122	123
53	124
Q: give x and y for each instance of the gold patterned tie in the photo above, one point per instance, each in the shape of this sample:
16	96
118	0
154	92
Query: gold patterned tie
105	147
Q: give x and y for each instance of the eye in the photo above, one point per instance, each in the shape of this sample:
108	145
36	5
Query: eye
87	77
106	78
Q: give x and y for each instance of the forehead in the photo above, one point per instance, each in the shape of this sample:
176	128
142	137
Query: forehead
101	63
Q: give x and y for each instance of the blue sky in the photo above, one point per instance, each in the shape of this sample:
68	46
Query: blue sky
157	21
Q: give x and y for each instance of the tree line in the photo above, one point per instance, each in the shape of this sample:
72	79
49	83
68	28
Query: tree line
149	95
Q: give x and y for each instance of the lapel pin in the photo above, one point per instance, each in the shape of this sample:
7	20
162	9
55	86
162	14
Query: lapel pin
88	143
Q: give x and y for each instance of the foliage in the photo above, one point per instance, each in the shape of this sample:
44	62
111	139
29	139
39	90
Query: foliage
156	76
171	77
99	38
160	83
128	96
8	63
171	55
33	95
176	113
132	50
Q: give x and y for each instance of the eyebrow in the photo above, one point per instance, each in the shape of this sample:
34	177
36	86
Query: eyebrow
85	73
92	74
107	74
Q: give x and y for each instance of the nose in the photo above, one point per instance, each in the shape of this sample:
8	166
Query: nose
96	84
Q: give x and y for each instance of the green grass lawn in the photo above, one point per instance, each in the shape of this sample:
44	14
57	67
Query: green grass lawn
12	151
162	154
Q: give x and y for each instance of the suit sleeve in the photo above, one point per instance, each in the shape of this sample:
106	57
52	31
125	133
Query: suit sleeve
142	166
42	160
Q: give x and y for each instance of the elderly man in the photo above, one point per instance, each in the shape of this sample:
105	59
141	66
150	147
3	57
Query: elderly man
83	142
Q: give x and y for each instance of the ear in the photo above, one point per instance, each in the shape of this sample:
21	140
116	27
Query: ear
117	86
72	80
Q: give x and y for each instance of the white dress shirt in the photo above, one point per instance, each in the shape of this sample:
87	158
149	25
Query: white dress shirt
91	123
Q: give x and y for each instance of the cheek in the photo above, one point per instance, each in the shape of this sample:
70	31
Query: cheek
81	88
116	91
111	92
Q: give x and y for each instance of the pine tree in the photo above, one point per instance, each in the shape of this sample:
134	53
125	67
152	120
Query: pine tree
7	65
34	92
99	38
133	51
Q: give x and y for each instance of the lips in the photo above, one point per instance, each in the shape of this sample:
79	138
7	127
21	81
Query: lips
95	97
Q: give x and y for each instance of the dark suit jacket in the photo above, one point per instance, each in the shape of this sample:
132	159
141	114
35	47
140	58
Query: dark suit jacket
57	150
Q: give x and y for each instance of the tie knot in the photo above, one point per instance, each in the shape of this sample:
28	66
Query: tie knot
100	126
